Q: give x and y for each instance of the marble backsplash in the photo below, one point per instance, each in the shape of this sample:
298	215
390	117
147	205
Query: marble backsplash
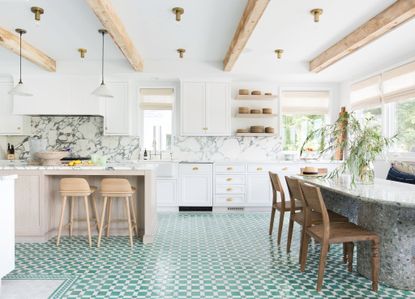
82	134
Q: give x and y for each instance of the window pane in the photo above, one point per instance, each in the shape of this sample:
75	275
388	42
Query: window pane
152	121
375	114
405	126
296	129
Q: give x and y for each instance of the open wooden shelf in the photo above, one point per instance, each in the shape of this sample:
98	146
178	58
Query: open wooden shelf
254	97
253	115
255	134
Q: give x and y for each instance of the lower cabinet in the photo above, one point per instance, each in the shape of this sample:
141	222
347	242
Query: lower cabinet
195	185
166	192
259	190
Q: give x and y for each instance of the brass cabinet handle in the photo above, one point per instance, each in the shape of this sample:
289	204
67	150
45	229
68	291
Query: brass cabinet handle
229	179
285	168
229	189
259	168
205	129
195	168
18	128
229	168
229	199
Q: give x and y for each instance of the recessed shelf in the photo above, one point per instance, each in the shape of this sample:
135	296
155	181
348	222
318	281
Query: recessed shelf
255	134
253	115
254	97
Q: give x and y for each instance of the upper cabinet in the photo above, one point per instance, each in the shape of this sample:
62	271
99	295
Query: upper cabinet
205	109
10	124
117	112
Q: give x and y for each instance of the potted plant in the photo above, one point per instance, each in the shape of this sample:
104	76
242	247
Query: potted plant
360	141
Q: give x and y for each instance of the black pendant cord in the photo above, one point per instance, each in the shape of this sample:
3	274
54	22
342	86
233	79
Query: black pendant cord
20	58
102	61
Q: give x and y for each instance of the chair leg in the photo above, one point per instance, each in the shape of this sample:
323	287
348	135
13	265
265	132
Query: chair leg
95	210
132	201
290	233
280	225
271	224
349	253
109	216
101	227
71	209
344	253
130	229
61	220
322	264
304	251
87	221
375	265
301	243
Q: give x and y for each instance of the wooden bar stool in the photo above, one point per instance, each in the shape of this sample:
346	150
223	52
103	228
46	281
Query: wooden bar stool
330	233
294	190
282	206
72	188
117	188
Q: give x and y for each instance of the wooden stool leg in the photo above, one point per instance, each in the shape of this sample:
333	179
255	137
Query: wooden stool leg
349	254
127	209
71	209
133	206
322	264
281	223
94	207
375	265
102	221
290	233
87	220
61	220
304	251
271	224
109	216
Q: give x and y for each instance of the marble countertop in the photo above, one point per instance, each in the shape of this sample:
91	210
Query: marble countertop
382	191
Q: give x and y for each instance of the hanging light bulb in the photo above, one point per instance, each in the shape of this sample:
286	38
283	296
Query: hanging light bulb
20	89
102	90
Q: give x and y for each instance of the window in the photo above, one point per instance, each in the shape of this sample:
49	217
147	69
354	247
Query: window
371	113
157	107
302	113
405	126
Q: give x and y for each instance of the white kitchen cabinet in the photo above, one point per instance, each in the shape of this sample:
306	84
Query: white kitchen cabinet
10	124
259	190
166	192
205	109
195	185
117	112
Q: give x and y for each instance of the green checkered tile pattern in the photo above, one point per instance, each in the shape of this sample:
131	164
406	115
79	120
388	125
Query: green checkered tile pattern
195	255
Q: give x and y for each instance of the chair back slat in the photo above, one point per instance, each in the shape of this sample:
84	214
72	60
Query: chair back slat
314	201
295	192
276	187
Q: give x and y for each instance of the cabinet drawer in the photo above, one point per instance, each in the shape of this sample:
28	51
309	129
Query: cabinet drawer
195	168
229	199
259	168
230	189
230	179
230	168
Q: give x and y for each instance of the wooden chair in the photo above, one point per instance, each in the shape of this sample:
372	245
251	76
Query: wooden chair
282	206
72	188
295	193
117	188
330	233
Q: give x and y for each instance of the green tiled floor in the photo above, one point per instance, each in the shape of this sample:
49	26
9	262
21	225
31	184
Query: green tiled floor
194	256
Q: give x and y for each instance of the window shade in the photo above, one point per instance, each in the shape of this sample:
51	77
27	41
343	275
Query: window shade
366	93
399	83
305	102
157	98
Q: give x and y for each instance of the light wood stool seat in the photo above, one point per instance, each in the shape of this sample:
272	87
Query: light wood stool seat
329	233
112	188
70	189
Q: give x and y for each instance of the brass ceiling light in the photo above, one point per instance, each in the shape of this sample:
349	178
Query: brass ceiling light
279	53
82	52
38	11
316	12
178	11
181	52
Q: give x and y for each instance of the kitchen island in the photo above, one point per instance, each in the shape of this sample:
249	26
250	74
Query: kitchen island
387	208
38	202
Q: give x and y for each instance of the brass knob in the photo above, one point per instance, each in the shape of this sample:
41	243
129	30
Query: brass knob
229	168
18	128
229	179
285	168
205	129
195	168
229	199
229	189
106	128
259	168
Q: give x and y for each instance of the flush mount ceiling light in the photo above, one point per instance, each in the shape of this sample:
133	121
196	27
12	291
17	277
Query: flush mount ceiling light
279	53
38	11
181	52
316	12
82	52
20	89
178	11
102	90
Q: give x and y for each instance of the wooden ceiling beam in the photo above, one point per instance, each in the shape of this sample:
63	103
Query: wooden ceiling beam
10	41
112	23
252	14
393	16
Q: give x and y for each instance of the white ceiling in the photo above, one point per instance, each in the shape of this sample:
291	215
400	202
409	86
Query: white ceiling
206	30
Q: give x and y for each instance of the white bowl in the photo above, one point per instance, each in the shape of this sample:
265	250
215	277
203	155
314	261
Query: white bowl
49	158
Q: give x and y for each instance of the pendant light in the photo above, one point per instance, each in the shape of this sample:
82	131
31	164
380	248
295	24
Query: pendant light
20	89
102	90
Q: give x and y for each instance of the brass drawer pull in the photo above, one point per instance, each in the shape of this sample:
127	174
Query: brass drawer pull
205	129
229	189
229	199
285	168
229	168
195	168
229	179
259	168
